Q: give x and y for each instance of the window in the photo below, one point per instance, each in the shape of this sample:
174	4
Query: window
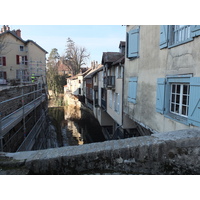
133	43
178	98
117	103
179	34
173	35
22	74
21	60
1	75
21	48
179	101
110	99
2	61
119	72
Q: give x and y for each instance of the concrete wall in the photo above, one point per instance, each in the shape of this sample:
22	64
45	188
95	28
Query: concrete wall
154	63
165	153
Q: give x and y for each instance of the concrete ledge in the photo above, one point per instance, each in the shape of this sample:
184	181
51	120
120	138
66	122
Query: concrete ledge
164	153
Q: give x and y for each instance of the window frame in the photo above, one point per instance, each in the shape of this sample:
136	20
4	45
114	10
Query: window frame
117	103
21	48
173	30
163	107
177	90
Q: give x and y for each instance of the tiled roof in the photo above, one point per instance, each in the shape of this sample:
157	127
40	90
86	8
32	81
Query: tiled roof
121	60
110	57
94	71
19	38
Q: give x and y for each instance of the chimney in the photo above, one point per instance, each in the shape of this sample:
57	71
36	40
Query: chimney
4	28
18	33
7	28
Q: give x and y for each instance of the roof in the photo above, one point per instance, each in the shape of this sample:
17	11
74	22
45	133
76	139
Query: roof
122	44
80	74
121	60
94	71
110	57
19	38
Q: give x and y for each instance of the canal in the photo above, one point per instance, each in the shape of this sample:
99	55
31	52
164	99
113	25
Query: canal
75	126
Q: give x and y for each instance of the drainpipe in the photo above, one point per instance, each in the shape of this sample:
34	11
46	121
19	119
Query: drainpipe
122	95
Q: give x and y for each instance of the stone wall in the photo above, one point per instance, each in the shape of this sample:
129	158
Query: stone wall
164	153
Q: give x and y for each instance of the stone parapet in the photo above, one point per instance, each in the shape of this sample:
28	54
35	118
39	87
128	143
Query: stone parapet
164	153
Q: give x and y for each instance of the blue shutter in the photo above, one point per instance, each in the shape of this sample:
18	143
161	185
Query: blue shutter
127	44
163	36
194	102
132	89
160	95
133	43
195	30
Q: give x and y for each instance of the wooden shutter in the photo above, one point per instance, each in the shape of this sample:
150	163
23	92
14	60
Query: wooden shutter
127	44
163	36
133	43
195	30
4	61
132	89
17	59
160	95
194	102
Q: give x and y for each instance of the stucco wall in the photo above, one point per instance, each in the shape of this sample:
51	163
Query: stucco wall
165	153
33	53
154	63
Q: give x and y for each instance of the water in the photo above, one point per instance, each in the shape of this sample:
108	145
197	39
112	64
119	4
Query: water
75	126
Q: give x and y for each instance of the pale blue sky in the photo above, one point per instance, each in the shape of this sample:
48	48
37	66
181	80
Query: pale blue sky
95	38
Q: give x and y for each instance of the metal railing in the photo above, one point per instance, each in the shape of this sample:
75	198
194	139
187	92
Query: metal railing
8	121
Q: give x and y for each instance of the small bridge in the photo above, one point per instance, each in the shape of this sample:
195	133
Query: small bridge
174	152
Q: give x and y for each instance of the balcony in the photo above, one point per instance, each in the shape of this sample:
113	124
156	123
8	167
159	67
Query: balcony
109	82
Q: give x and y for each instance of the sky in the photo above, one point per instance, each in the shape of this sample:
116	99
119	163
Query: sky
95	38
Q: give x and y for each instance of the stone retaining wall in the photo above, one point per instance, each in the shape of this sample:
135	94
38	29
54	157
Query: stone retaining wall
164	153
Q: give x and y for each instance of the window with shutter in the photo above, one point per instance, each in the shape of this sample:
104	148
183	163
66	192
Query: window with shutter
194	102
178	98
133	43
132	89
173	35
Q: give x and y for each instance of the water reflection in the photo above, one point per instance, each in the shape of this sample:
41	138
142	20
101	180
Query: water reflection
75	126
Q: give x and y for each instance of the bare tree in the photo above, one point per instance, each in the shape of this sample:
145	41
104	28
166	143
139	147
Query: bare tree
75	56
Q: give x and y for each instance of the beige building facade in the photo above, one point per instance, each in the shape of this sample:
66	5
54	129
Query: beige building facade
19	59
161	77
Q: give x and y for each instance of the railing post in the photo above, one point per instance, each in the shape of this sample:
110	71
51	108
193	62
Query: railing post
23	113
